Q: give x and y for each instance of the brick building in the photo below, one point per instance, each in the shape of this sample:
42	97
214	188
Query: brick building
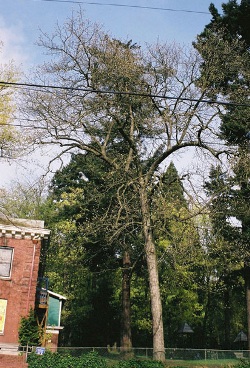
21	245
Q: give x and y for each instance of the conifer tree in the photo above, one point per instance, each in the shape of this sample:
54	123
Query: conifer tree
225	44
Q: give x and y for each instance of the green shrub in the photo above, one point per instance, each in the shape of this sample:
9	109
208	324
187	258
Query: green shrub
55	360
89	360
29	332
243	364
92	360
135	363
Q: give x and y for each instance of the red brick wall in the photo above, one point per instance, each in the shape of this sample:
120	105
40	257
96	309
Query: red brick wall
12	361
52	341
20	289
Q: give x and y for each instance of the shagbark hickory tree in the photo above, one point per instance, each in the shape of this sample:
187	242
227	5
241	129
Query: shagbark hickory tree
113	102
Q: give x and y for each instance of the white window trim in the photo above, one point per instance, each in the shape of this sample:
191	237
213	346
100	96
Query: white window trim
11	263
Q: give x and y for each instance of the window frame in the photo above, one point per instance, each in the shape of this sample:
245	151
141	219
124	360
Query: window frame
10	262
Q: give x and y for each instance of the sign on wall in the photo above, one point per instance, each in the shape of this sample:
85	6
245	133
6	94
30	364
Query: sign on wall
3	307
40	350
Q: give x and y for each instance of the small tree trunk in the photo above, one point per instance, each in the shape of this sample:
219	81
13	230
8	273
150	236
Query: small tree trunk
156	305
126	339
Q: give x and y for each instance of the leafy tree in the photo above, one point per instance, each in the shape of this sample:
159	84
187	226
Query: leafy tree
29	331
235	19
114	103
225	252
89	311
24	200
82	201
225	44
179	254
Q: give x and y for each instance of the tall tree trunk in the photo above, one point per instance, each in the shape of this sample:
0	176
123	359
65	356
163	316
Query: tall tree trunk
156	305
227	316
247	287
126	336
245	221
207	305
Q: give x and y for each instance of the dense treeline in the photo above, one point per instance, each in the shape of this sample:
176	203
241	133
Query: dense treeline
200	276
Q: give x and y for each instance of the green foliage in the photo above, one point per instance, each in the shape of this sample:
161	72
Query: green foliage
29	331
136	363
243	364
179	253
225	251
235	18
90	360
24	200
224	43
55	360
88	258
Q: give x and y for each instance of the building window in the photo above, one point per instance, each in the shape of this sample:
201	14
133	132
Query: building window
6	255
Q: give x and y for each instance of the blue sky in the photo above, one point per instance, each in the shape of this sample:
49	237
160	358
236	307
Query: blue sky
21	21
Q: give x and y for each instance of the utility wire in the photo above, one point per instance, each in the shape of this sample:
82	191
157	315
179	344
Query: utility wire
126	6
139	94
20	125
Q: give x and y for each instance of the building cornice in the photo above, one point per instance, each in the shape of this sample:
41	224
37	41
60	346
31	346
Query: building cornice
23	229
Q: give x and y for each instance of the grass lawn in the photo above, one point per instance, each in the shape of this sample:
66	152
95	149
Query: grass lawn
210	363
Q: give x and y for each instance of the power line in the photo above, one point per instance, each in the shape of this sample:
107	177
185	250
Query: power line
126	6
129	93
20	125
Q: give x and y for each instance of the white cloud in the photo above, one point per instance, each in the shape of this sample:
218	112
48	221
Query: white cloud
13	40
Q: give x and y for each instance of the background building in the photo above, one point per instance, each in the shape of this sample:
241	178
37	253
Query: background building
22	243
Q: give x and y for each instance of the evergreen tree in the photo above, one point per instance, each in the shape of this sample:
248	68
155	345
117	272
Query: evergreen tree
226	40
225	252
84	200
